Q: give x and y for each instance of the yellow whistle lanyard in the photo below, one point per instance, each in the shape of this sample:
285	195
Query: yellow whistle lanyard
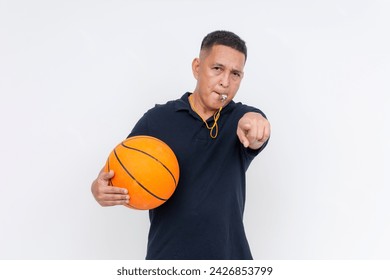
214	128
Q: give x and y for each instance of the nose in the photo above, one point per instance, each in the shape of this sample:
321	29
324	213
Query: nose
224	82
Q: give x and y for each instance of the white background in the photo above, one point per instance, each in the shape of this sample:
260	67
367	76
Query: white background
75	76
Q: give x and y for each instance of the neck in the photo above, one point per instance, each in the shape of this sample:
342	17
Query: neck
214	127
199	108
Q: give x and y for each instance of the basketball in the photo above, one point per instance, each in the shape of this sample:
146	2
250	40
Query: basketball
147	168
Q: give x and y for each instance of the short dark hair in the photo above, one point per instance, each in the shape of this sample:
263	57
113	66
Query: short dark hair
225	38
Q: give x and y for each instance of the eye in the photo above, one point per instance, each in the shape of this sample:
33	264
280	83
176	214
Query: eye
217	68
236	75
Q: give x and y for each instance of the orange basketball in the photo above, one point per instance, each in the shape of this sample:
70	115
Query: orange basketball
147	168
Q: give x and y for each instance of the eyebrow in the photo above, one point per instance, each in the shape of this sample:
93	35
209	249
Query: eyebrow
223	66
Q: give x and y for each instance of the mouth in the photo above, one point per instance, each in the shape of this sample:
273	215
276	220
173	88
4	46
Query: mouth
222	96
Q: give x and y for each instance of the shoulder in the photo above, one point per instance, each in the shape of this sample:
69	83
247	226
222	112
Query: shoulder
155	118
241	109
169	107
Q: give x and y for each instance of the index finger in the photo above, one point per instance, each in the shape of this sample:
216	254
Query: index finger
252	134
242	137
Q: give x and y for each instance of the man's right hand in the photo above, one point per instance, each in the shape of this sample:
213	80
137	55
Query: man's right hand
107	195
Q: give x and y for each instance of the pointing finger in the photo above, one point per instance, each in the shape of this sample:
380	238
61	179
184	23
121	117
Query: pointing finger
242	137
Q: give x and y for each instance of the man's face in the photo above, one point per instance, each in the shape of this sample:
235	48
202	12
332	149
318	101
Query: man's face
218	72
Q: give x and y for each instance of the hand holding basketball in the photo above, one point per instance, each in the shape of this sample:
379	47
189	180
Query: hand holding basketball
145	166
107	195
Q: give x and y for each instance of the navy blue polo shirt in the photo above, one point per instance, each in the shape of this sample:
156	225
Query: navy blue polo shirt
204	217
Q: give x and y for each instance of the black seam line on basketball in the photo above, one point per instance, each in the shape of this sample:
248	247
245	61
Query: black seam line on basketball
156	159
127	171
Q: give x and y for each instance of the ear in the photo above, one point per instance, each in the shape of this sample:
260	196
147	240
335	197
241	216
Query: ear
195	67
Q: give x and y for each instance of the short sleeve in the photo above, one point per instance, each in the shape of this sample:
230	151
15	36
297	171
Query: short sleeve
141	127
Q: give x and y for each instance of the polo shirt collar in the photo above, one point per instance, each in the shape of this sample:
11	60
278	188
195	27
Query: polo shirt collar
183	104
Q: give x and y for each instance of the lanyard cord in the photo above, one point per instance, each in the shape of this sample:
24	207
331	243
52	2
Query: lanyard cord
214	127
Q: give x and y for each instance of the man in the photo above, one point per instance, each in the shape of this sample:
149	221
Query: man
214	139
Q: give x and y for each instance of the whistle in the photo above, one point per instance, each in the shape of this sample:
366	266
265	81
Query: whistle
223	97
